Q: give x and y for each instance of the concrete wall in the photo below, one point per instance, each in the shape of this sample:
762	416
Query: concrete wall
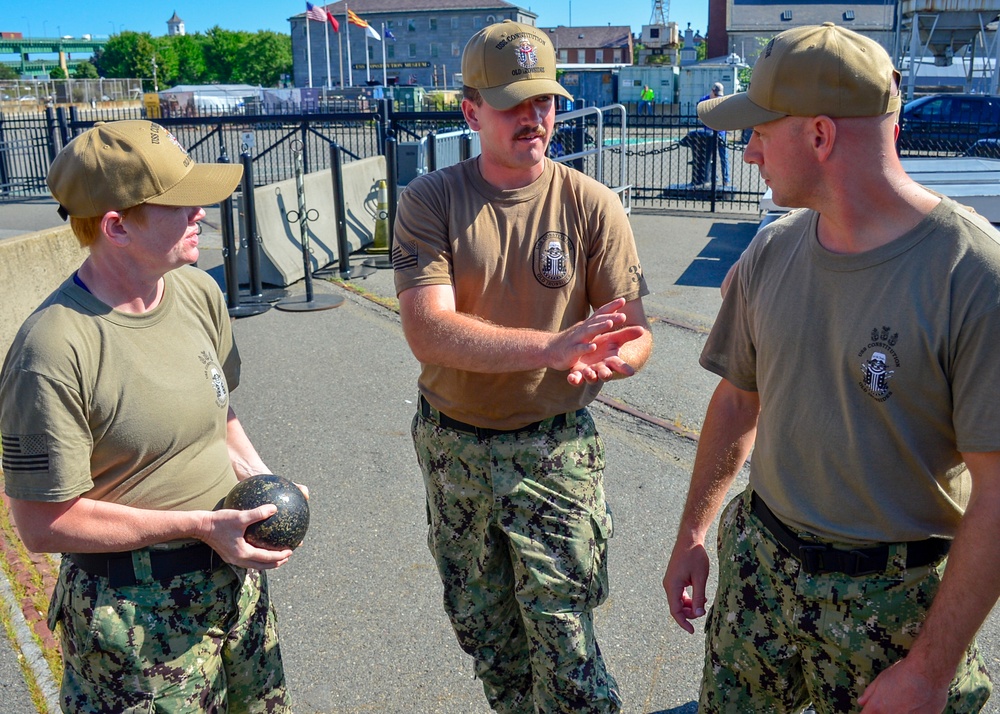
31	267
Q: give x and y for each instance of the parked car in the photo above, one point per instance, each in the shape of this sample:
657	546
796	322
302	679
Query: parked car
950	123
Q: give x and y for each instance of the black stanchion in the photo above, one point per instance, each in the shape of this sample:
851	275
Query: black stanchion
302	216
236	309
346	272
392	177
250	240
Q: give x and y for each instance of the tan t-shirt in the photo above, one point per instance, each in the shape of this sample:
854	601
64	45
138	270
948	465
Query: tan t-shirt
123	408
537	257
874	371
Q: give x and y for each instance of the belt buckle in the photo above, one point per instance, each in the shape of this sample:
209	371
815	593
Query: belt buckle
812	558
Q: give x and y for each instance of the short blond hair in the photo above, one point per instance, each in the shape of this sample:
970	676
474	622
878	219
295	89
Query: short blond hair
88	230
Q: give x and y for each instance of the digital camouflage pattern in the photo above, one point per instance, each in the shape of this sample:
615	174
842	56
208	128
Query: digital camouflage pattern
778	638
519	529
204	642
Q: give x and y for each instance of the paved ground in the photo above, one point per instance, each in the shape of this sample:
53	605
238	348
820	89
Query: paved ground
327	397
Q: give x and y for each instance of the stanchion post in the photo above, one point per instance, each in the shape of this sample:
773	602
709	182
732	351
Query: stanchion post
392	176
250	236
340	208
229	258
311	302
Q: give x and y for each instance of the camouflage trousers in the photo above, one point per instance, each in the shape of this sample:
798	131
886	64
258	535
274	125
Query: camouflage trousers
779	638
518	529
200	642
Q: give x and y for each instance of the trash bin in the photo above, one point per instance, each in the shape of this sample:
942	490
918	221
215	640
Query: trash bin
701	142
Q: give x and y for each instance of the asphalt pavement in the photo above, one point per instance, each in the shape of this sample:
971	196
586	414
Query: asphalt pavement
327	397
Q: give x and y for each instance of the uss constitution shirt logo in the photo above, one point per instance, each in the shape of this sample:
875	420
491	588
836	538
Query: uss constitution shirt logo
553	260
875	372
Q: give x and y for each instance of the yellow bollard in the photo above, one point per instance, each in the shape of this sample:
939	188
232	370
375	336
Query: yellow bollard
381	242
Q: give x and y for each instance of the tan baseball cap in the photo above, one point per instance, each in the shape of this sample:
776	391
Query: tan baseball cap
509	62
117	165
809	71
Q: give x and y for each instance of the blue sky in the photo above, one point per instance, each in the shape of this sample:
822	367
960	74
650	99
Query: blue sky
52	18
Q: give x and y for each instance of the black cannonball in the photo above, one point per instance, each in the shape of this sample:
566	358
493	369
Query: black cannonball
287	527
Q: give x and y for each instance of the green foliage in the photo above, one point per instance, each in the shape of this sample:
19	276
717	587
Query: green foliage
263	59
128	55
57	73
85	70
8	72
216	57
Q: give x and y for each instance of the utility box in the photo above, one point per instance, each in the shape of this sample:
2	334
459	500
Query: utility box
662	79
409	98
696	80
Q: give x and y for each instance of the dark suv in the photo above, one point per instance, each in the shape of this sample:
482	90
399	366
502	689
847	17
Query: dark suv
951	123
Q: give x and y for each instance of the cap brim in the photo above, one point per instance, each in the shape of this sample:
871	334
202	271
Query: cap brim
734	112
510	95
203	185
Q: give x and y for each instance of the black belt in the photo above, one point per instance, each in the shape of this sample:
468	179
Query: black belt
165	564
818	558
557	422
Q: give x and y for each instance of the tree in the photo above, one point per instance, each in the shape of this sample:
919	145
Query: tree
85	70
189	51
222	54
128	55
263	59
57	73
7	72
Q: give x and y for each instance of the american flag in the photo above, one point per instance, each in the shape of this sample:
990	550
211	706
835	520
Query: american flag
25	453
315	13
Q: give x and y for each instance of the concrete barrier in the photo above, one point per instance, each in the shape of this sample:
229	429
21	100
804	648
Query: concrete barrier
281	245
31	267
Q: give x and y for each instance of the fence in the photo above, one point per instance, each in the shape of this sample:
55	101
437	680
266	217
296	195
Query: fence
667	162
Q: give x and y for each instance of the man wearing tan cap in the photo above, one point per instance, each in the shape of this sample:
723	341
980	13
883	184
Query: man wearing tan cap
520	294
856	346
119	443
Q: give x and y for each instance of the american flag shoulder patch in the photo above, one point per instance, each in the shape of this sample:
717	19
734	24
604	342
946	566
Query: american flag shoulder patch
404	256
25	453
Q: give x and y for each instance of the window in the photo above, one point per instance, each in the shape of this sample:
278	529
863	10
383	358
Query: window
654	33
390	50
454	22
413	49
456	49
848	14
618	57
599	56
477	23
786	15
433	23
435	49
581	56
563	56
411	25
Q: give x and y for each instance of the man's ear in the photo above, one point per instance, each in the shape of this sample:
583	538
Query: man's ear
824	136
470	111
113	227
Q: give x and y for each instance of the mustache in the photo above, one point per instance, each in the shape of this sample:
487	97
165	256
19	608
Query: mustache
531	132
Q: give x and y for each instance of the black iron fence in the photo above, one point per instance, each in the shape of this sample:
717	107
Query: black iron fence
668	161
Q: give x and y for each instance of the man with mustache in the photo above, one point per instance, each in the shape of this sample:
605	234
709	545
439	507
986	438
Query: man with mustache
520	294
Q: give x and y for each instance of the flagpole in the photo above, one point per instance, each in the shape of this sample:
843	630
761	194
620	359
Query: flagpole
340	56
326	37
347	29
385	81
368	69
309	52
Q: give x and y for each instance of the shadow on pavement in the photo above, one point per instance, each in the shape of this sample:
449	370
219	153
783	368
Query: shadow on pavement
727	242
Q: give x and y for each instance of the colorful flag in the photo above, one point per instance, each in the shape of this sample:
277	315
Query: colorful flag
354	19
373	33
333	21
315	13
389	35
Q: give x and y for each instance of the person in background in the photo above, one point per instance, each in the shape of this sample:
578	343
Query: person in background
717	90
520	293
119	443
856	346
646	98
